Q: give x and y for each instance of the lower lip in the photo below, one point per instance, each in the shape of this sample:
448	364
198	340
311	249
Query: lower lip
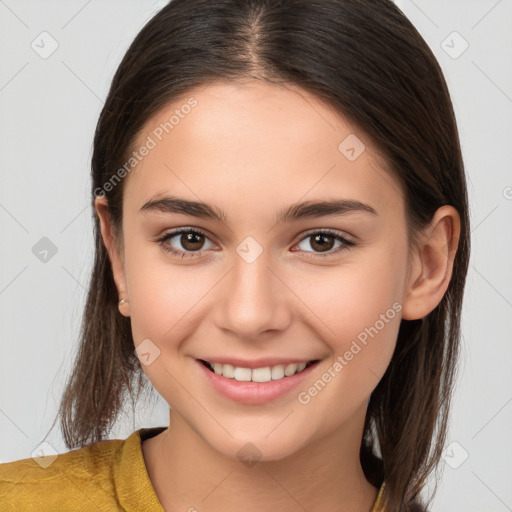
254	392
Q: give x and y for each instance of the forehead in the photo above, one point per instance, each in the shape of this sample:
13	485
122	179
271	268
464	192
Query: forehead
256	141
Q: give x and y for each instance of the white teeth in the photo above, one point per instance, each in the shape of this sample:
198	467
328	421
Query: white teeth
290	369
277	372
261	374
243	374
228	371
265	374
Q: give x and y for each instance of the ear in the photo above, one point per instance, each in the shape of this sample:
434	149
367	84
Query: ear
112	243
432	264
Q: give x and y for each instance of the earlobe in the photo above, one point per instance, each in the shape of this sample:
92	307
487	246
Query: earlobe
432	266
107	233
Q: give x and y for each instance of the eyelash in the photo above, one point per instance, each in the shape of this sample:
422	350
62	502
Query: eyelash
347	244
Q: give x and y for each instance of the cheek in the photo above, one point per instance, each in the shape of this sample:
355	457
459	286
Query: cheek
352	296
164	302
163	295
362	333
357	310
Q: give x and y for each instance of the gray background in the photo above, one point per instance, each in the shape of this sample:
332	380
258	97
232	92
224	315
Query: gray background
48	111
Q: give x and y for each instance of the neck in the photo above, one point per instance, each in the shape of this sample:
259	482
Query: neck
188	474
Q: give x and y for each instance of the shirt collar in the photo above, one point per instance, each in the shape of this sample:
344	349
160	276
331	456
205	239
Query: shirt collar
134	488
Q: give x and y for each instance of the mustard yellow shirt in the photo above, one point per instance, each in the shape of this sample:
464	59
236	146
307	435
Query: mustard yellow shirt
104	477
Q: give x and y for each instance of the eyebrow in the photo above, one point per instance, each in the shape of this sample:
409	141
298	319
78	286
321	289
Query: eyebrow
296	211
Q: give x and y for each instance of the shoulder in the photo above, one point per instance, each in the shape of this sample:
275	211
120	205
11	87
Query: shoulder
76	480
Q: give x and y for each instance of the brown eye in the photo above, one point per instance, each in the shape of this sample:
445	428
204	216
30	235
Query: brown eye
192	241
184	242
323	243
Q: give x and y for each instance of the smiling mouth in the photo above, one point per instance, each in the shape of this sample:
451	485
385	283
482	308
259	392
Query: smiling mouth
265	374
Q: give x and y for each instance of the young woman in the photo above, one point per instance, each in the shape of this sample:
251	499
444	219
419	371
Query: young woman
282	240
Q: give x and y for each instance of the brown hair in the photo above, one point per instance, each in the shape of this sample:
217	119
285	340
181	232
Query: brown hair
366	60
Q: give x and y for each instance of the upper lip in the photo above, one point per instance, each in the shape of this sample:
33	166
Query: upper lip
256	363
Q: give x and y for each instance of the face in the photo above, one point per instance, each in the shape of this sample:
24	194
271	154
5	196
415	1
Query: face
251	285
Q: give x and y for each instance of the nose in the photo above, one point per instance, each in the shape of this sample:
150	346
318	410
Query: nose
253	299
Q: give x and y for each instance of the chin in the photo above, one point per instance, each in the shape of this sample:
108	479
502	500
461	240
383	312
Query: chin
257	448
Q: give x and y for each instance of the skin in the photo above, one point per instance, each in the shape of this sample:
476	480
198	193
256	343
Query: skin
253	148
